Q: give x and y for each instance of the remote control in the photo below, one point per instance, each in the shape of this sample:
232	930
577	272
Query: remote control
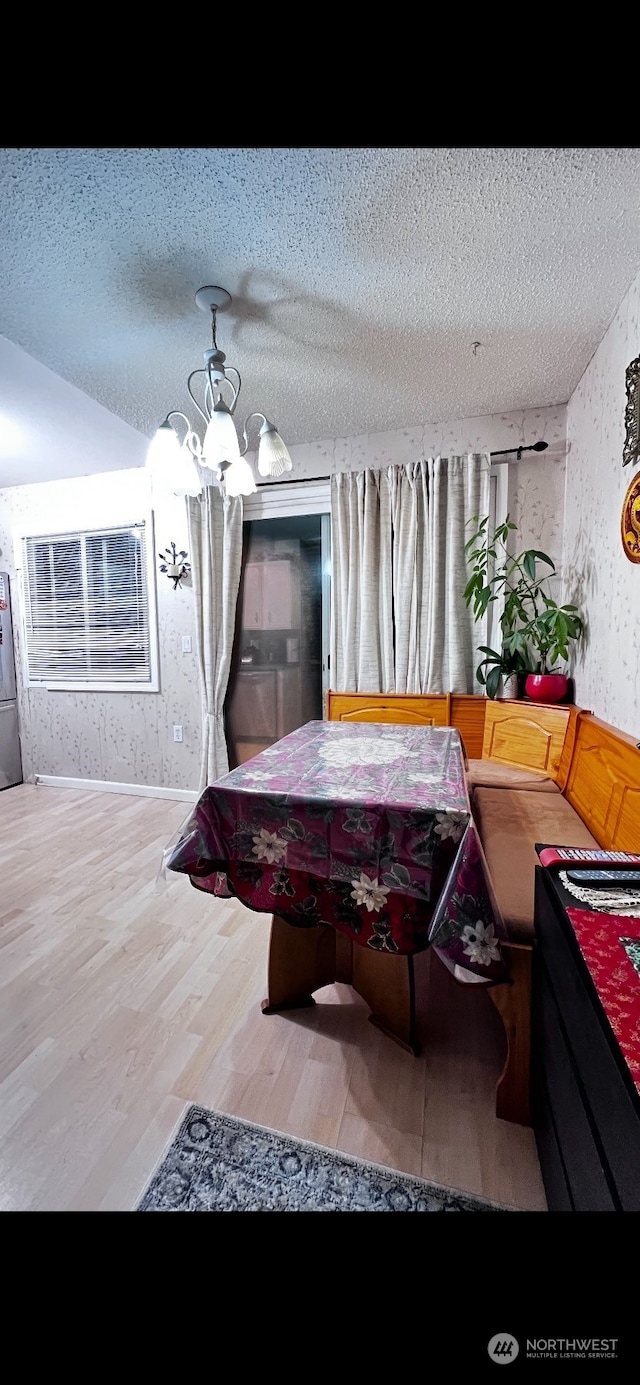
587	856
617	878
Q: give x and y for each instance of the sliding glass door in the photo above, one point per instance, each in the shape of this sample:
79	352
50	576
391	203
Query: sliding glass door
280	658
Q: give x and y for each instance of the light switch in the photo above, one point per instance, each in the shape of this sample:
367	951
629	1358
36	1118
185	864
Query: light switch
186	644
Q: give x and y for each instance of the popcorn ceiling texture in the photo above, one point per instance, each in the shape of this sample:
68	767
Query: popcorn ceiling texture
597	574
360	276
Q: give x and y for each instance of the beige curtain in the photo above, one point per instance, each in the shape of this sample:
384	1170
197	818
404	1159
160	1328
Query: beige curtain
362	597
215	537
399	571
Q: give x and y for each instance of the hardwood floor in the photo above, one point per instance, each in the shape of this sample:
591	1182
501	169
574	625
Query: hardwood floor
124	996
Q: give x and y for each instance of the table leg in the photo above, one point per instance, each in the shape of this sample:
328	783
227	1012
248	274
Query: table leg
513	1004
302	960
387	984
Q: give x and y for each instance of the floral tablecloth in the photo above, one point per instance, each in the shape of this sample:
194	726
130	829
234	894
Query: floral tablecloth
364	826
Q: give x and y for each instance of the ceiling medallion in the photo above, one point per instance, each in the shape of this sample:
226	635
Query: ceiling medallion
630	521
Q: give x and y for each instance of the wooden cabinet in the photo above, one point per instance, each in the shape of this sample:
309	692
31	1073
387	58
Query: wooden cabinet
251	708
271	596
252	597
288	700
265	704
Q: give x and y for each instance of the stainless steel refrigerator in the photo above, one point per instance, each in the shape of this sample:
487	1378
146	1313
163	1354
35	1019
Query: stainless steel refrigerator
10	757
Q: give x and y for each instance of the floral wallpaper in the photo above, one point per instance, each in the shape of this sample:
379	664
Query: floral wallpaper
115	736
127	737
597	574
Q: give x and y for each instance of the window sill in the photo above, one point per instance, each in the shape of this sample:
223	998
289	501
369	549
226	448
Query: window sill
97	687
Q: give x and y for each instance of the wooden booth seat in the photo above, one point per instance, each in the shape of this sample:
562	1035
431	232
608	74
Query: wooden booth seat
489	774
510	822
536	773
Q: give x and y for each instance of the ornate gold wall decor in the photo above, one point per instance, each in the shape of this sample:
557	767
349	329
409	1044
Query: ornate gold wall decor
631	450
630	521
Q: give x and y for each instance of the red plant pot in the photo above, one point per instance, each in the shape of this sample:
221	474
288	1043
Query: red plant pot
546	687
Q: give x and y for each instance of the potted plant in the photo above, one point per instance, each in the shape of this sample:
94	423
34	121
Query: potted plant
500	671
536	632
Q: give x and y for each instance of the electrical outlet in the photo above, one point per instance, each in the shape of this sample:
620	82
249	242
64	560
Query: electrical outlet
177	733
186	644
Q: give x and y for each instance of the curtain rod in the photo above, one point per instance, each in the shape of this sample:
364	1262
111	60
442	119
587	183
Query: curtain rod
532	447
301	481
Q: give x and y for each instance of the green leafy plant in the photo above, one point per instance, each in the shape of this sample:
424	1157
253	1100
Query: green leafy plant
536	632
496	666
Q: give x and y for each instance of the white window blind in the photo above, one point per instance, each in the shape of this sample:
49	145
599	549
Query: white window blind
87	607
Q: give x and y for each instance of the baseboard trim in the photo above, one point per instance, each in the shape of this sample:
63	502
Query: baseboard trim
57	781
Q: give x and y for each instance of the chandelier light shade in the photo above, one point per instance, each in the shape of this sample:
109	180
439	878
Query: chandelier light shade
177	462
220	440
273	456
173	466
239	478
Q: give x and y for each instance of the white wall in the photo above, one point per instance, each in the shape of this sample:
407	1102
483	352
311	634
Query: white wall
598	575
120	737
127	737
49	429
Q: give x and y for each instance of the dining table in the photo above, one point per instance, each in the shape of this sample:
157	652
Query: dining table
358	840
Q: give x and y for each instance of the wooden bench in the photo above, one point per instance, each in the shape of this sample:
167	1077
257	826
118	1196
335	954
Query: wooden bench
536	773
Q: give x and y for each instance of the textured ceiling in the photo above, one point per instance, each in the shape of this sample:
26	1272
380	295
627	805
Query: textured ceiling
360	277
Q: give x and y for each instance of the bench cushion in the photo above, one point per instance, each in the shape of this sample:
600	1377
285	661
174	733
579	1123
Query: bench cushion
491	774
510	822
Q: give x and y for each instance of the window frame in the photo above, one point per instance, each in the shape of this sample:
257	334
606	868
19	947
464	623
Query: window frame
39	531
310	496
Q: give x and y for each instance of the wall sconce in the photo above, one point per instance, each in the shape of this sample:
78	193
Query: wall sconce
174	564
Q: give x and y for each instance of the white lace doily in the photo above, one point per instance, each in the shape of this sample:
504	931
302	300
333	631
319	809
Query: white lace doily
361	750
605	900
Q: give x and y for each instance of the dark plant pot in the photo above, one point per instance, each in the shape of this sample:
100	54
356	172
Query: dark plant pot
546	687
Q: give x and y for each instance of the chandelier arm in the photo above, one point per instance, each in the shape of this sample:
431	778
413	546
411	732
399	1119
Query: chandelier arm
247	421
215	381
209	397
190	439
202	413
177	413
239	385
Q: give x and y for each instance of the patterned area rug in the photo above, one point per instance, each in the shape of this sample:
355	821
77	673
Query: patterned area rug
218	1163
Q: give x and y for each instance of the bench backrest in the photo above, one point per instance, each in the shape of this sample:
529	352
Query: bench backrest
418	709
596	766
603	784
522	733
540	737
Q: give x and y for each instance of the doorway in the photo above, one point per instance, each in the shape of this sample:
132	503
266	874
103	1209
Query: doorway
279	661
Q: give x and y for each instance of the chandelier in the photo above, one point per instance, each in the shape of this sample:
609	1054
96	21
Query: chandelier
173	458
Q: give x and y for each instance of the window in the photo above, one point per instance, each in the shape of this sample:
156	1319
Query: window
87	609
